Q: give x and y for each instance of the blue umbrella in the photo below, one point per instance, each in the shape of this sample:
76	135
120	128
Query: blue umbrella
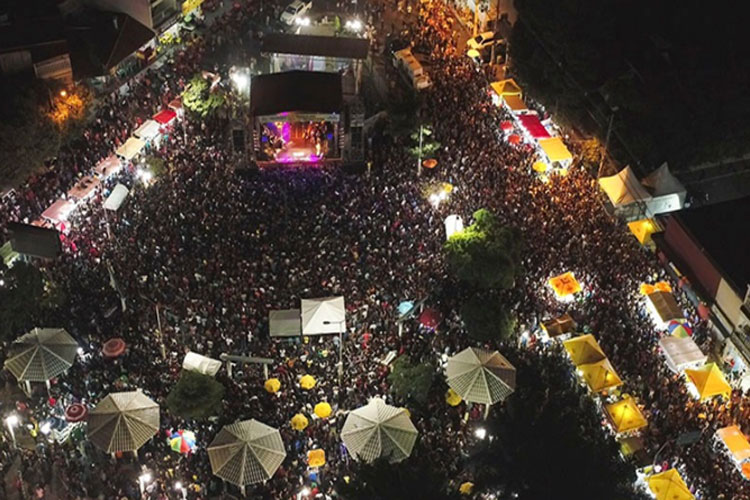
405	307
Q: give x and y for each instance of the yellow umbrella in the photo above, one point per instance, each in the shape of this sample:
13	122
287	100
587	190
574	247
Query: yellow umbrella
316	458
540	166
299	422
466	488
323	409
452	398
307	382
272	385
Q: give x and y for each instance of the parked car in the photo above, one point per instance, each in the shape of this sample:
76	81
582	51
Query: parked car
294	11
483	40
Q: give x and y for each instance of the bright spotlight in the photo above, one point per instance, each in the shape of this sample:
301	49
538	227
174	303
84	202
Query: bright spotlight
11	420
480	433
354	24
302	21
241	81
45	428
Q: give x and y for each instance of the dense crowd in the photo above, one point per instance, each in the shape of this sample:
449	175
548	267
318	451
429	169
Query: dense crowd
216	251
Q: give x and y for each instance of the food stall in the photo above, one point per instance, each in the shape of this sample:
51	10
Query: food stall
681	353
735	444
556	152
84	188
132	148
108	166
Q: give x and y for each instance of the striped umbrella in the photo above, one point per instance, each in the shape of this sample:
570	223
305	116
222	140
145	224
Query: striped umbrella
182	441
677	329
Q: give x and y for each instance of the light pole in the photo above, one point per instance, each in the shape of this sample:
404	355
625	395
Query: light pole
341	348
11	421
606	140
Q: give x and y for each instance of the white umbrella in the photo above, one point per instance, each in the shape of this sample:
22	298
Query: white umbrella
481	376
41	354
379	430
123	421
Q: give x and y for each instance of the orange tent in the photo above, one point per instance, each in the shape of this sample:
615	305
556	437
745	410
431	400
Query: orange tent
565	285
735	441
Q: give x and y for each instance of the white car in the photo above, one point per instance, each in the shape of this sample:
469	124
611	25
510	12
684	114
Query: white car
294	11
483	40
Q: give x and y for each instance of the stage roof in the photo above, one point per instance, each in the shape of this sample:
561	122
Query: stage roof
306	91
34	241
311	45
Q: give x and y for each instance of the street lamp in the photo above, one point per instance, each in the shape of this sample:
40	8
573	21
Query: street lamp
143	481
341	348
11	421
63	93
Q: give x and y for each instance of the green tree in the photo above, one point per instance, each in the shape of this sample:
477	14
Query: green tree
411	381
487	319
486	254
21	293
195	396
409	480
199	98
429	145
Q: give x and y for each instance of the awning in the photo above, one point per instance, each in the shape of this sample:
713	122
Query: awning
507	87
147	131
202	364
58	211
284	323
515	103
116	198
131	148
533	126
108	166
165	116
663	307
555	150
84	188
681	353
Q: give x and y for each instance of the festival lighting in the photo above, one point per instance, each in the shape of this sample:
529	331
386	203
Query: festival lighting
63	93
12	421
480	433
354	25
302	21
241	79
143	480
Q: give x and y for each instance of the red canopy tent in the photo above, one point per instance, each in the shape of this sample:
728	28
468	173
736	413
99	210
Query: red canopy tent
534	126
506	125
165	116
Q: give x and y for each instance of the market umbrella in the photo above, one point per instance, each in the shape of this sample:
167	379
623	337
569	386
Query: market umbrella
272	385
316	458
323	410
246	452
405	307
481	376
113	348
41	354
298	422
430	163
669	485
678	329
76	412
452	398
430	318
378	430
307	382
182	441
123	421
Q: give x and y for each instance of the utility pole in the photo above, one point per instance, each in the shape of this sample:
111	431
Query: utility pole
340	365
606	141
419	156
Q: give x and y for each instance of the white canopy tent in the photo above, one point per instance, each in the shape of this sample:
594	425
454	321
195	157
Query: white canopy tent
378	430
624	188
148	130
84	188
323	316
202	364
668	193
681	353
284	323
59	211
453	224
131	148
108	166
116	198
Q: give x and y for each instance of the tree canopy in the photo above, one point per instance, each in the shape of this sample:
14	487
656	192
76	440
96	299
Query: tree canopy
486	318
195	396
21	291
411	381
199	98
486	254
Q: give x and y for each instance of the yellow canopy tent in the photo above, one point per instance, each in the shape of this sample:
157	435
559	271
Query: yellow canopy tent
735	441
600	376
565	285
506	87
626	416
515	103
669	485
307	382
584	350
556	150
643	229
709	381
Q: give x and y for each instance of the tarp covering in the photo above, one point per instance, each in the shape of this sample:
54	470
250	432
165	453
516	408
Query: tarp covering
202	364
284	323
323	316
600	376
735	441
123	421
108	166
246	452
555	150
515	103
131	148
116	197
663	306
148	130
481	376
378	430
533	126
623	188
84	188
34	241
59	211
625	415
584	350
41	354
165	116
709	381
506	87
681	353
669	485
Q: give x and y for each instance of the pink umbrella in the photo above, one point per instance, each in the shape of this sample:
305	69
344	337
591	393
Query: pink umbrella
113	348
76	412
430	318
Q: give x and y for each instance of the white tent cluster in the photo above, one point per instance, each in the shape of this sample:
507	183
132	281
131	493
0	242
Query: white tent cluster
660	192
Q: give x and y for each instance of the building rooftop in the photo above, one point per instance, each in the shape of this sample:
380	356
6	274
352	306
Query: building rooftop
303	91
722	231
311	45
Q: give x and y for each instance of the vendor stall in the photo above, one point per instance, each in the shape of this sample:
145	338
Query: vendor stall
681	353
669	485
625	416
533	126
84	189
556	152
642	229
559	327
584	350
515	104
108	166
59	211
734	442
148	131
663	308
707	382
565	285
116	198
165	117
600	376
506	87
132	148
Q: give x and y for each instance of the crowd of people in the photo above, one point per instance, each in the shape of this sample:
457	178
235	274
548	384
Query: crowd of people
215	251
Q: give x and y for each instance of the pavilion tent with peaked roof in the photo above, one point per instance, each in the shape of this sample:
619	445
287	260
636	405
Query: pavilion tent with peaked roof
708	381
735	442
584	349
669	485
41	354
506	87
322	316
379	430
481	376
123	421
600	376
246	452
625	415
